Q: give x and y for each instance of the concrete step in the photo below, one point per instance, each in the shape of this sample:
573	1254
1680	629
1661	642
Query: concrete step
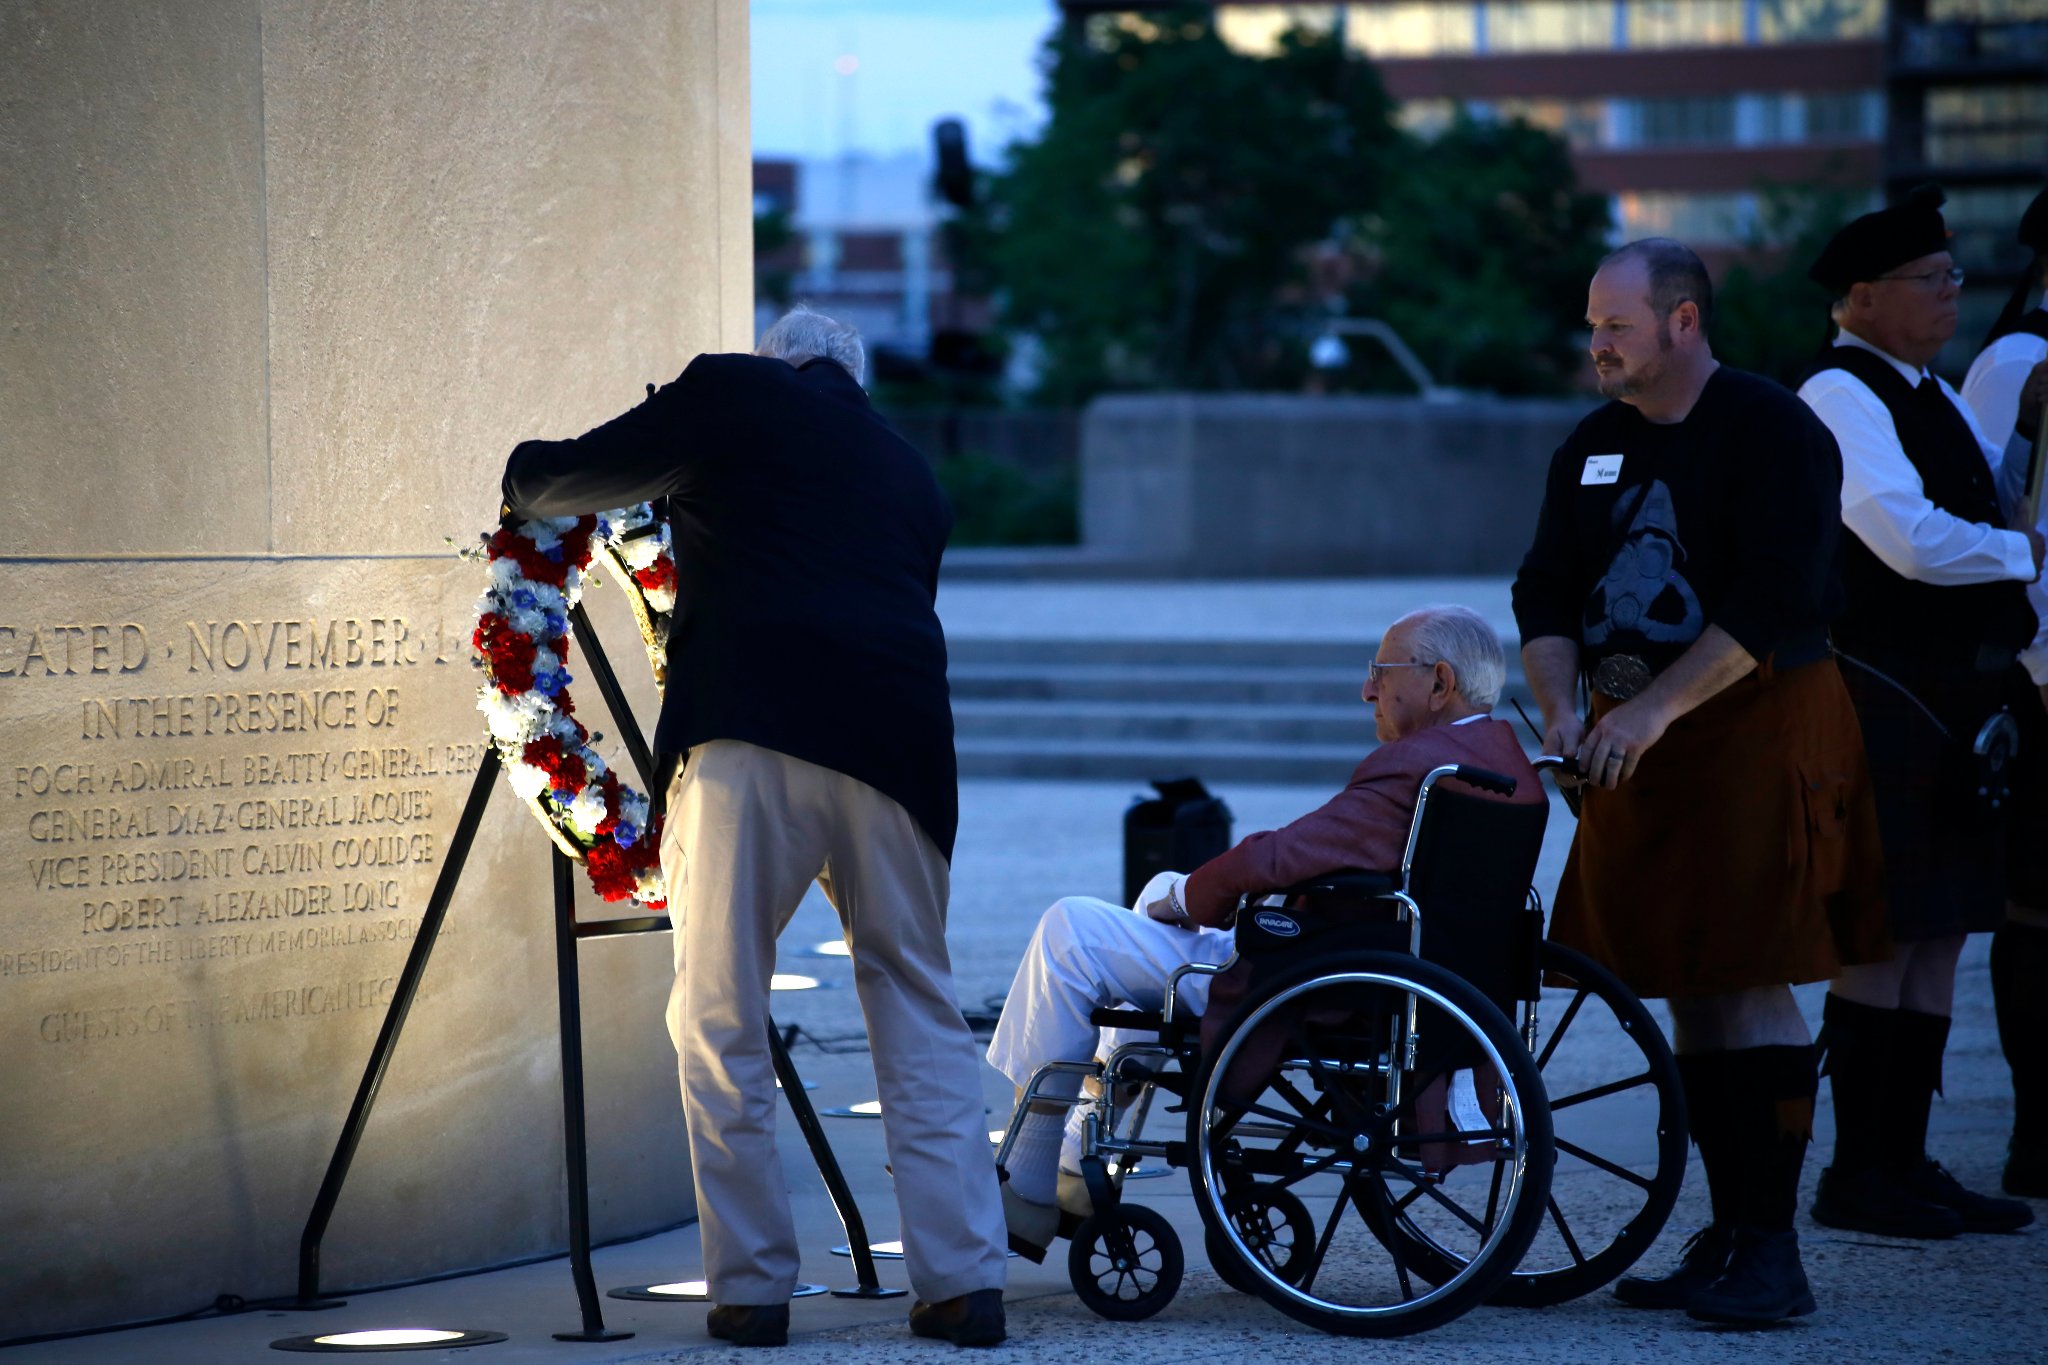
1345	655
1083	722
1139	683
1236	710
1139	761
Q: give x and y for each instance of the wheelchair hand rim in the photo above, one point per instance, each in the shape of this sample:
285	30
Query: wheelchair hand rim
1512	1105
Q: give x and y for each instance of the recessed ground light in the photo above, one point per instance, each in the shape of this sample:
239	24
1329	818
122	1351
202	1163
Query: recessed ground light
388	1339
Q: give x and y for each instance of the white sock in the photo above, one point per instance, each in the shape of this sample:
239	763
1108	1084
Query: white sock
1071	1140
1034	1157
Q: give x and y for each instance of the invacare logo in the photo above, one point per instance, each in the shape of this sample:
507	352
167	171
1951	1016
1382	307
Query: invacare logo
1276	924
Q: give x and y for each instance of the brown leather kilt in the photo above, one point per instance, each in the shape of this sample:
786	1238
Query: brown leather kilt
1742	853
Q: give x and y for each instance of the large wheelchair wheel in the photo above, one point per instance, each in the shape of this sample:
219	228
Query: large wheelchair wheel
1313	1102
1618	1116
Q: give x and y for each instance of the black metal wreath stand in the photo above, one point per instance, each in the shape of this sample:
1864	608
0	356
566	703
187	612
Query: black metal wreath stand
567	934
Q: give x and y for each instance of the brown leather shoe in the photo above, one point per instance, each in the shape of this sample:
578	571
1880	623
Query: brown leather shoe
973	1319
742	1324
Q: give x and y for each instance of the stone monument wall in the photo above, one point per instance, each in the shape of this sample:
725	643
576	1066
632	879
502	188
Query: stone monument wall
283	283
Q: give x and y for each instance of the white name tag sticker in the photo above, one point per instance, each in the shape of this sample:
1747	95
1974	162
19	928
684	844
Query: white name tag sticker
1601	469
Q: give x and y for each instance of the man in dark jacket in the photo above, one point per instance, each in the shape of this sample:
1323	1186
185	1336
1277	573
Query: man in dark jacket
807	726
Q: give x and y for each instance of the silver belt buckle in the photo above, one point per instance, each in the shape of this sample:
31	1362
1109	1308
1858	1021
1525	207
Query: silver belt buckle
1621	676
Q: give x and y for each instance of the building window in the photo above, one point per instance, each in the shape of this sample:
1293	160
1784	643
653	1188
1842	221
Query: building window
1548	26
1686	121
1413	30
1427	118
1995	124
1685	23
1819	21
1844	116
1981	222
1695	219
1256	30
1582	123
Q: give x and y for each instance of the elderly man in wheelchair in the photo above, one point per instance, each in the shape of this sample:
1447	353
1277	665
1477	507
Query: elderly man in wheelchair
1326	1062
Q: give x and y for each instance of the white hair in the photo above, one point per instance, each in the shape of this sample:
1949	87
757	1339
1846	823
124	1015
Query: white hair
1460	637
802	332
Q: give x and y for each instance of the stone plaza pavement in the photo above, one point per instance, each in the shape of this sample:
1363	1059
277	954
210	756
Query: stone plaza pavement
1024	843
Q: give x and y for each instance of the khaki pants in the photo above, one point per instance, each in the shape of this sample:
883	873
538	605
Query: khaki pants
748	830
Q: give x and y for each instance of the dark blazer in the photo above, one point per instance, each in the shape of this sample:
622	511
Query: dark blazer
807	538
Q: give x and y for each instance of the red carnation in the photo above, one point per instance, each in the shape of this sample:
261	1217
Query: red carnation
658	575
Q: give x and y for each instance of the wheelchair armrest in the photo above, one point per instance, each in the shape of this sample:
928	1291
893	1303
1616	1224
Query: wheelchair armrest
1355	880
1150	1020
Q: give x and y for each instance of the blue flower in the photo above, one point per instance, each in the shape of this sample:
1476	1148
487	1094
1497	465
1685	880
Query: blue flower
625	834
554	552
524	598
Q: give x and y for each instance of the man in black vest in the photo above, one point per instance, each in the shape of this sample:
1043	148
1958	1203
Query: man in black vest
2006	386
1937	614
807	725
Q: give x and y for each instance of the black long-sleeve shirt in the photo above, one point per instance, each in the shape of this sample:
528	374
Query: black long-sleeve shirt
1729	518
807	541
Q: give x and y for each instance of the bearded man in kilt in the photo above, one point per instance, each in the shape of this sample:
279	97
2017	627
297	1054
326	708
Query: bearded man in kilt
1683	564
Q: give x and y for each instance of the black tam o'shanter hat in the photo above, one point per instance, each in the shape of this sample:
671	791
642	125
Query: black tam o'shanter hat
1882	241
2033	235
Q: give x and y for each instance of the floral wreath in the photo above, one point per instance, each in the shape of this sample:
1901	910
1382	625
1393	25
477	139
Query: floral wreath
537	576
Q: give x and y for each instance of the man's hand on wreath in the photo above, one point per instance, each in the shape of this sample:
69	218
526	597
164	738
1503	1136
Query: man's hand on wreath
1610	751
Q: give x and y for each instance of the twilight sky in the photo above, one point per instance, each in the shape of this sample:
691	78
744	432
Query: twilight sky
872	75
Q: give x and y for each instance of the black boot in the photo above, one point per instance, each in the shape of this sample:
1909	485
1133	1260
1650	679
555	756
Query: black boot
1705	1254
1921	1041
1765	1283
1771	1091
1865	1189
2019	994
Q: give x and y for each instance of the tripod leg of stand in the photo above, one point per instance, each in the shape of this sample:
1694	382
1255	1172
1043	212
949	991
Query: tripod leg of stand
614	698
835	1181
570	993
387	1036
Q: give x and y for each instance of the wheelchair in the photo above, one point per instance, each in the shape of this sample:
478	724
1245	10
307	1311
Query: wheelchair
1373	1147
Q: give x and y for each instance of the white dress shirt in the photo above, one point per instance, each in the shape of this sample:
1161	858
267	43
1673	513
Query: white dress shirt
1883	499
1992	390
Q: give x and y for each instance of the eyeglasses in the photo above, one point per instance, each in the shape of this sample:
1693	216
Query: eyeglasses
1375	671
1954	275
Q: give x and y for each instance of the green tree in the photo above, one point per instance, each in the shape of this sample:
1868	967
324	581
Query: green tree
1154	234
1480	258
1768	317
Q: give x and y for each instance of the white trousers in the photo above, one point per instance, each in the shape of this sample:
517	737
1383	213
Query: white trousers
1087	954
748	830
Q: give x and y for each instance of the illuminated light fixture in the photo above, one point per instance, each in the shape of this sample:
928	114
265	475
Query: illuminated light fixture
793	981
388	1339
831	947
691	1291
866	1109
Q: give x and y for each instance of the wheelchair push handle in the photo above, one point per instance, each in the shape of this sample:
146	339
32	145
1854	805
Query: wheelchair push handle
1486	779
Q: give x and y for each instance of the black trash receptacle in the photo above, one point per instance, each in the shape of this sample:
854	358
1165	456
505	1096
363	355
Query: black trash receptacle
1179	829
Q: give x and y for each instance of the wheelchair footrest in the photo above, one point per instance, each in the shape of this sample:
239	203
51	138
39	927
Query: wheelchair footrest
1151	1020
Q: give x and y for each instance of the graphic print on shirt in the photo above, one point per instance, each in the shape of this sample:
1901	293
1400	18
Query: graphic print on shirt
1644	595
